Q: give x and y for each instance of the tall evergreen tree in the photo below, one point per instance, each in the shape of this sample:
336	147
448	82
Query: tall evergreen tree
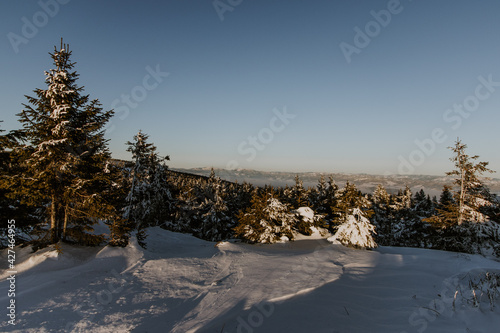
298	194
471	194
471	199
149	202
446	210
187	207
384	215
325	197
404	199
238	198
423	204
64	155
463	220
215	220
409	230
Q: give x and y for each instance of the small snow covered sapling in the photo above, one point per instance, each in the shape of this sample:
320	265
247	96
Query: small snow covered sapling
267	221
307	220
352	212
356	231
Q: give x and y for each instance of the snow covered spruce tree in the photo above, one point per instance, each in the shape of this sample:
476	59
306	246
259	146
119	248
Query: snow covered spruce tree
384	217
466	221
325	197
149	202
472	194
186	206
353	228
239	197
446	212
64	155
297	194
215	221
266	221
203	208
423	205
408	228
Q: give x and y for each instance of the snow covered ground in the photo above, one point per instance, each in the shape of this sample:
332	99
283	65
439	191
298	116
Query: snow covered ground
183	284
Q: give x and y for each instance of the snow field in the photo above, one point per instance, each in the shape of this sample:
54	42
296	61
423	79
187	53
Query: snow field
184	284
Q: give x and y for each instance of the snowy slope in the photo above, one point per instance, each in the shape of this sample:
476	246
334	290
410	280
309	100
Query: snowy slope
183	284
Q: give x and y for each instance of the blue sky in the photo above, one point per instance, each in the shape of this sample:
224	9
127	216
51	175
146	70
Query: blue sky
423	67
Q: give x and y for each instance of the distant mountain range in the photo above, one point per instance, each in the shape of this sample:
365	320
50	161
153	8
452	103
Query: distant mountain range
432	185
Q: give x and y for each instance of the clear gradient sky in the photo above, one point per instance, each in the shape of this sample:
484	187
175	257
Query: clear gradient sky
355	83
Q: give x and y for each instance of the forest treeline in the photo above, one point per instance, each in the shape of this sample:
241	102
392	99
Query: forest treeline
58	181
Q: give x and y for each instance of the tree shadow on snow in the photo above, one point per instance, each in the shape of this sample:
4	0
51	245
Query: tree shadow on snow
377	292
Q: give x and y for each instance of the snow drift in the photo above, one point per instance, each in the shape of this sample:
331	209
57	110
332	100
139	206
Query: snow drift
184	284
